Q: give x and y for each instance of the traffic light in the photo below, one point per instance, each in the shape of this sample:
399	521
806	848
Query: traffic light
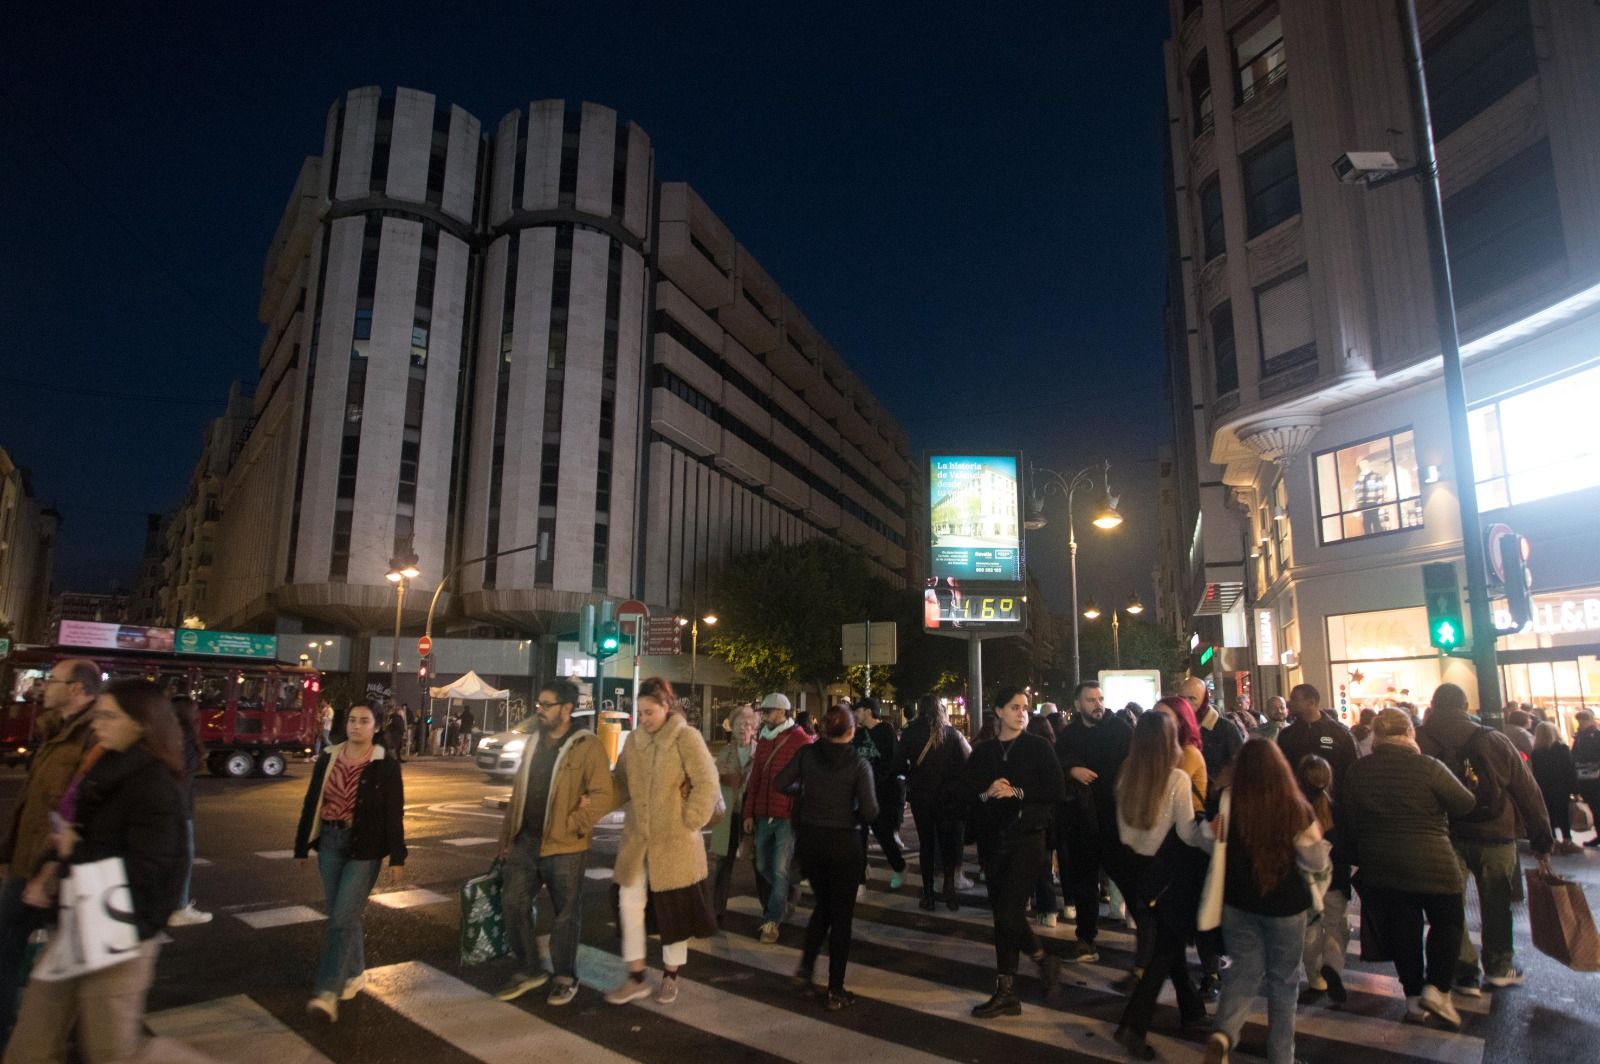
1442	593
424	670
607	640
586	626
1514	553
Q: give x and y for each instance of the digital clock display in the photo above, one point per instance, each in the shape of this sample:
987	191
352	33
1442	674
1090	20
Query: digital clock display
947	607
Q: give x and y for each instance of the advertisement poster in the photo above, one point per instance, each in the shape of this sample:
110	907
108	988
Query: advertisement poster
227	644
975	514
114	636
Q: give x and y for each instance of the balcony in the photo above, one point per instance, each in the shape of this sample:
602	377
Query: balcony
681	423
743	461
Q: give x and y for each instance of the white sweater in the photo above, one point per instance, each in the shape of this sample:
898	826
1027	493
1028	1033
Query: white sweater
1176	810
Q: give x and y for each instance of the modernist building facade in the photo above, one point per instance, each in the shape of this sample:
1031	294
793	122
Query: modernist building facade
27	555
481	339
1305	372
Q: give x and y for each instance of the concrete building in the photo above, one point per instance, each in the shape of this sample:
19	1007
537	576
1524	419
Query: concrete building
1306	378
144	600
107	607
27	555
190	532
479	340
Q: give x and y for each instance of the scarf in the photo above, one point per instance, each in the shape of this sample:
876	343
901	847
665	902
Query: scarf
769	732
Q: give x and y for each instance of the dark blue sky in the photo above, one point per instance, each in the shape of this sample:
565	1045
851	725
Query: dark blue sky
965	199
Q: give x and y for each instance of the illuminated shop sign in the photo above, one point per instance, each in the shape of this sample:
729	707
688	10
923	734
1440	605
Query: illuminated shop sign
1556	614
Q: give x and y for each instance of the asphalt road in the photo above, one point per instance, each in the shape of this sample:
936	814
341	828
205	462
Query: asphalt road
237	987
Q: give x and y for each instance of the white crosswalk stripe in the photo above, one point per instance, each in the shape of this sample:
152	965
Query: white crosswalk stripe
235	1029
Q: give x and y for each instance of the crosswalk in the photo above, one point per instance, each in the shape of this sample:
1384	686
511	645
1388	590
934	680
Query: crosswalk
917	974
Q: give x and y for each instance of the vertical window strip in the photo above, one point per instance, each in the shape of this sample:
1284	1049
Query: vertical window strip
438	156
378	179
571	127
311	380
497	459
416	394
519	165
355	399
338	149
619	174
555	375
608	416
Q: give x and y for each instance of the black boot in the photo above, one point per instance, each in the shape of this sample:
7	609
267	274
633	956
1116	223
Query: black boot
927	895
1004	1002
951	902
1049	970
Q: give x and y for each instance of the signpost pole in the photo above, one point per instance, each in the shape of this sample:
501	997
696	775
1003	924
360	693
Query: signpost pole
869	659
975	681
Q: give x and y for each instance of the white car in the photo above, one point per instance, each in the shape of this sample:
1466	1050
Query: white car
501	753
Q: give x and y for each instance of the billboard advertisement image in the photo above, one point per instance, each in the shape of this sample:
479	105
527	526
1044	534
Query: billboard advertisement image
975	517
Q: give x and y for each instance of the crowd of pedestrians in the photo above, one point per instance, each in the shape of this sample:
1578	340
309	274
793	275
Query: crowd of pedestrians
1244	840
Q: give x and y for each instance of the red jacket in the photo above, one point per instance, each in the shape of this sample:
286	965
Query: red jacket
761	797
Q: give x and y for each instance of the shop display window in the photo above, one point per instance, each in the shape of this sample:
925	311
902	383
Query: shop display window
1538	443
1381	658
1369	488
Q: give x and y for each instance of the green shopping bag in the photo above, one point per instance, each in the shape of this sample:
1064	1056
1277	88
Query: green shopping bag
483	924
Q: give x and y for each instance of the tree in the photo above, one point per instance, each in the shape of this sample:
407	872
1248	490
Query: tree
782	608
1145	645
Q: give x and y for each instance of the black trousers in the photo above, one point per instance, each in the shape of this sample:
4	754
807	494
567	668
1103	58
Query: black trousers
1085	853
724	876
1399	915
1010	873
939	839
834	860
1167	960
891	810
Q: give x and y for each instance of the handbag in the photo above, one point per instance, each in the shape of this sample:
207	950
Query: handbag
95	926
483	922
1209	916
1579	816
1562	925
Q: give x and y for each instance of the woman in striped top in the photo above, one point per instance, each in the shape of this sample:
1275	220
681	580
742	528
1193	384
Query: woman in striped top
353	815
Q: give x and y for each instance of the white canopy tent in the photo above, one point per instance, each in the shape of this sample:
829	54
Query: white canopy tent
472	688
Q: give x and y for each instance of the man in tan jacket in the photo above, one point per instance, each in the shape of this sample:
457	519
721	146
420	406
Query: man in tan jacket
68	692
562	787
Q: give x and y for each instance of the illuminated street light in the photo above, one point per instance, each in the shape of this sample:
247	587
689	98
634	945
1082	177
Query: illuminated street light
1105	518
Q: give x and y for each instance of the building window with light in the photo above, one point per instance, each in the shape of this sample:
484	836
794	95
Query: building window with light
1258	54
1538	443
1369	488
1381	658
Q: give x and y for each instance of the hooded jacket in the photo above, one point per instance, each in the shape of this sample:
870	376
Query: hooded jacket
130	806
1444	735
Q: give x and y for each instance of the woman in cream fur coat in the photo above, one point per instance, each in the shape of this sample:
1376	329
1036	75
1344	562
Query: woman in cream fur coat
666	783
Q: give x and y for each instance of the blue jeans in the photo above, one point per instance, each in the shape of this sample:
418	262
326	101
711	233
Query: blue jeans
1265	949
774	847
525	873
188	869
346	882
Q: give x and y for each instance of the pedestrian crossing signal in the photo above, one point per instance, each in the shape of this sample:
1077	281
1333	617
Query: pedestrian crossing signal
1442	593
608	640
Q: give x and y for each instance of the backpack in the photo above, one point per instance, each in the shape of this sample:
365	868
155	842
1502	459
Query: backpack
1475	769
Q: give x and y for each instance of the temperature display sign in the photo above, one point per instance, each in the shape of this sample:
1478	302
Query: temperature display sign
946	607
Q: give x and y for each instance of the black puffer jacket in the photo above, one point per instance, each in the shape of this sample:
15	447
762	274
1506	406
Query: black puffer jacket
832	786
130	806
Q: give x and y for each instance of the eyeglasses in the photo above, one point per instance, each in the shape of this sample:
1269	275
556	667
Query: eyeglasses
553	705
55	679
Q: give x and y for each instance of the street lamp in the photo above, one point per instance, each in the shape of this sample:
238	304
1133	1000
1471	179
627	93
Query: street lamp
1105	518
402	571
318	647
694	649
1134	606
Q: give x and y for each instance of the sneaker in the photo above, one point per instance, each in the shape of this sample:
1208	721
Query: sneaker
1468	986
669	989
1047	919
963	883
1083	952
1133	1044
1510	977
633	988
520	984
353	987
562	992
1438	1005
769	932
1129	982
188	916
1070	912
1210	988
1592	843
325	1005
1414	1012
897	881
1217	1047
840	999
1336	991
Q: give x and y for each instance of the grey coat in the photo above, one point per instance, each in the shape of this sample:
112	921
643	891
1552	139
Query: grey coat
1393	811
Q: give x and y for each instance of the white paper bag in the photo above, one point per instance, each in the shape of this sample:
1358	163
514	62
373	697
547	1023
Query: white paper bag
96	927
1209	916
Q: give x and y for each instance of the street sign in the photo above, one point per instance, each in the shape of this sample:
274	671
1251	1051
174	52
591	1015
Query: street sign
633	608
226	644
424	647
663	637
870	643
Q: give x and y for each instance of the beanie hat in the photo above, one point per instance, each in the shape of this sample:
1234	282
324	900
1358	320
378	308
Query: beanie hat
776	700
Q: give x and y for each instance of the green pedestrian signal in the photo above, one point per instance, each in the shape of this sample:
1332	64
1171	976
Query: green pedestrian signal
607	640
1441	592
1207	654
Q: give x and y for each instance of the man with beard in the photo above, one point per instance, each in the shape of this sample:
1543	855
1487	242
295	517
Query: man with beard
1091	750
562	787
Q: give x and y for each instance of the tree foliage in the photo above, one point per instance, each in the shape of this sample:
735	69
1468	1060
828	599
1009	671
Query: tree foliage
1145	645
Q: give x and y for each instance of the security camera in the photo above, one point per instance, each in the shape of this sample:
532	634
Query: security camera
1356	166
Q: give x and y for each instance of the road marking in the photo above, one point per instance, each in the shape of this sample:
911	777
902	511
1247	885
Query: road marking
262	919
275	855
597	873
235	1029
409	899
753	1024
474	1022
469	840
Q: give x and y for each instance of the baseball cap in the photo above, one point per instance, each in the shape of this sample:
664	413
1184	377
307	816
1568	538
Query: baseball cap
776	700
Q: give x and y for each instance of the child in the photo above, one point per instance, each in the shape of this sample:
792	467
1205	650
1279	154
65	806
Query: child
1327	937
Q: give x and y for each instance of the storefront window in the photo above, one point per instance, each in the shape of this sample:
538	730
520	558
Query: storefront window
1368	488
1538	443
1555	689
1381	658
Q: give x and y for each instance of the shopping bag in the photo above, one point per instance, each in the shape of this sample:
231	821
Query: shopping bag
1563	927
1209	916
95	925
483	922
1579	816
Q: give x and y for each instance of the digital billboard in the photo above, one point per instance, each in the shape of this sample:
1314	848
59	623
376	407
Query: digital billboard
975	518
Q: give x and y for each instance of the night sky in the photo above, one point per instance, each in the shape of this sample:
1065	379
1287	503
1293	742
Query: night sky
965	199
